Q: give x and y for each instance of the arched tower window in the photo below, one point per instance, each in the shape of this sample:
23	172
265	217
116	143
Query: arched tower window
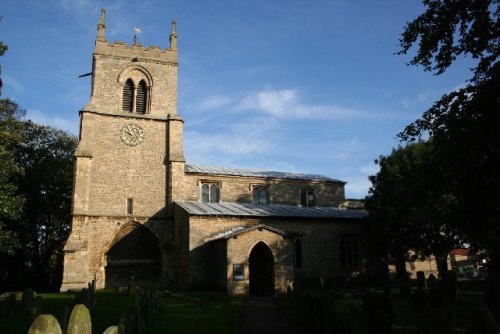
142	98
128	92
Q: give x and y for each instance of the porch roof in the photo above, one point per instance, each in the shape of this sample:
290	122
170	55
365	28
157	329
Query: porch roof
243	229
271	210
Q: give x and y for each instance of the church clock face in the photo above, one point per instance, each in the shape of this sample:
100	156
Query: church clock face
132	134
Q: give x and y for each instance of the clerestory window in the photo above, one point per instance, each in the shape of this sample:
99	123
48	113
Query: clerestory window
261	195
210	192
308	197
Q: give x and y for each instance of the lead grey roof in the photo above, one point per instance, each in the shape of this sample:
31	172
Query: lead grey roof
272	210
256	173
242	229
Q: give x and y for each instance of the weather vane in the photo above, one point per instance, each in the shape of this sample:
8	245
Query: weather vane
137	31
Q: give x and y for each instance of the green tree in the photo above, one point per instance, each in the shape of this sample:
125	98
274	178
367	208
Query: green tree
463	124
35	199
10	201
409	202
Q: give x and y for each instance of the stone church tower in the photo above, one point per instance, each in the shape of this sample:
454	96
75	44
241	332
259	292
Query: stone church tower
128	158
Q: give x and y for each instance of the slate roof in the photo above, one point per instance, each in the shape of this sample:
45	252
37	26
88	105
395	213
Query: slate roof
256	173
272	210
240	230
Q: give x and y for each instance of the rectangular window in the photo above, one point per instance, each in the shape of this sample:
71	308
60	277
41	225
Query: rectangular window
297	252
260	195
349	250
210	192
130	206
238	272
308	197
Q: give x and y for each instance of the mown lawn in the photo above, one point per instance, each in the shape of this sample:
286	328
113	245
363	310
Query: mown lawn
177	313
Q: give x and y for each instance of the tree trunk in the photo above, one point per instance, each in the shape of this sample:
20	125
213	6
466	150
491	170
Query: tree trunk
442	264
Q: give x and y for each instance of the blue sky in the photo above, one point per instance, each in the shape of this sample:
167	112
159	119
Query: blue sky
296	86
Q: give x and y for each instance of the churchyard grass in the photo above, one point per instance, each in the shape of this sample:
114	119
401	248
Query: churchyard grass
349	306
177	313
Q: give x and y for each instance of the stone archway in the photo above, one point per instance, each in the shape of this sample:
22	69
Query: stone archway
261	267
136	254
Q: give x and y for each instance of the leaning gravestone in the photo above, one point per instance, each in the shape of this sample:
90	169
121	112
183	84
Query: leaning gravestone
79	321
45	324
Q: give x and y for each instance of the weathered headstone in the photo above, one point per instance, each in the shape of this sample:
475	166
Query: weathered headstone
79	320
431	281
37	307
45	324
27	300
420	279
450	286
111	330
10	305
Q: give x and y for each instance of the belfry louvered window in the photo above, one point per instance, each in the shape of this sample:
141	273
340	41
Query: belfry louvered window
142	97
128	93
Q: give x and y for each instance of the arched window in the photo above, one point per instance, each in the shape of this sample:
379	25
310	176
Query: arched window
128	92
261	195
210	192
142	98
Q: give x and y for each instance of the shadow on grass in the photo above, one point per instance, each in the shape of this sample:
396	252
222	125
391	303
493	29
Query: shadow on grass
177	312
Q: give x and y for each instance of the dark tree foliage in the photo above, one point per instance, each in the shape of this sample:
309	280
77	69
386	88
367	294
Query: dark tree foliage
464	124
452	28
41	223
409	202
11	201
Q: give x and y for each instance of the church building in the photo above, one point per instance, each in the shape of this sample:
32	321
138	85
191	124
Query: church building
141	214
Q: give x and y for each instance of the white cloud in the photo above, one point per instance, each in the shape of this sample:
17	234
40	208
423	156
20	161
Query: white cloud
357	187
286	104
70	125
215	102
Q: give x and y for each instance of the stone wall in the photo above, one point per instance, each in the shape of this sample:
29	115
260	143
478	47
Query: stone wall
281	191
320	245
113	171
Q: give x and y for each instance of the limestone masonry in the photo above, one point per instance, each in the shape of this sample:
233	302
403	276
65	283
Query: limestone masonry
140	214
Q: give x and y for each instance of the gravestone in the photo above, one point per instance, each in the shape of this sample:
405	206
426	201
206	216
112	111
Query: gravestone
9	305
45	324
27	300
420	279
111	330
37	307
450	286
79	320
431	281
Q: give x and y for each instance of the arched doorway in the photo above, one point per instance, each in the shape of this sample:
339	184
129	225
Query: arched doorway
261	267
136	255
